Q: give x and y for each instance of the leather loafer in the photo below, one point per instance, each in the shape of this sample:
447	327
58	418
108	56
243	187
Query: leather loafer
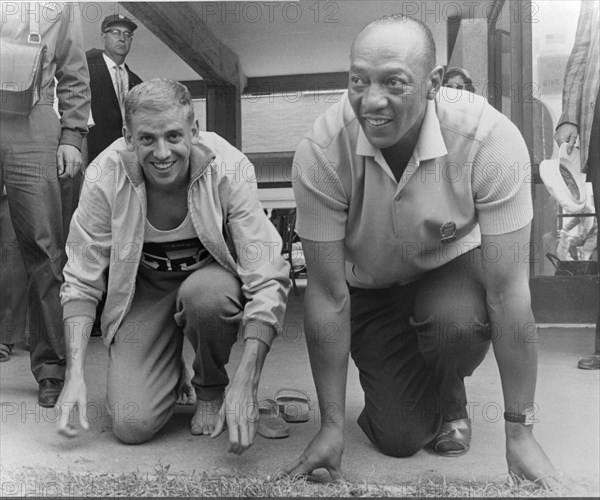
50	389
454	438
589	362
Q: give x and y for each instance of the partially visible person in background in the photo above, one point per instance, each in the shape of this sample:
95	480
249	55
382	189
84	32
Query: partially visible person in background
578	238
110	81
39	156
458	78
13	306
581	117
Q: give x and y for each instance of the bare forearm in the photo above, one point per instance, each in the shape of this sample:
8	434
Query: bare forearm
327	328
253	358
77	331
514	334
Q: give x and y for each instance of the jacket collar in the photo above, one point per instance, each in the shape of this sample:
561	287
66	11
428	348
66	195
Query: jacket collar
201	156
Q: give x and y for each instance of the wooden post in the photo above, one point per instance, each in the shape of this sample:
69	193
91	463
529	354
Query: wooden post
224	113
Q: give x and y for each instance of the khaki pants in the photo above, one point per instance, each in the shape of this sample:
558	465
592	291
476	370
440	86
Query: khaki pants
145	357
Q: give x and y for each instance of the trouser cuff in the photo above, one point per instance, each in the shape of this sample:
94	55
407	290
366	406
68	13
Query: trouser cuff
208	393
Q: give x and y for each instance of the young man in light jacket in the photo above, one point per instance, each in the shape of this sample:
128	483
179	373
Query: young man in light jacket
175	220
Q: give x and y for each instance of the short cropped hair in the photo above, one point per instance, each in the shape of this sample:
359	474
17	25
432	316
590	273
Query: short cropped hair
158	95
429	43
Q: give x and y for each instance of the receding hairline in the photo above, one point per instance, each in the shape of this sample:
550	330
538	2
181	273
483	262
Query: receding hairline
401	19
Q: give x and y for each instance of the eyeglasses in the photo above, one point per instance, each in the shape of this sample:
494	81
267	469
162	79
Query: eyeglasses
118	33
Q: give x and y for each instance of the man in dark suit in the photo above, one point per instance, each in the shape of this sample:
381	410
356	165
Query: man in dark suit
110	80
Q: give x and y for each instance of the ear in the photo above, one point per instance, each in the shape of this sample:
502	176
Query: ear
194	131
435	81
128	138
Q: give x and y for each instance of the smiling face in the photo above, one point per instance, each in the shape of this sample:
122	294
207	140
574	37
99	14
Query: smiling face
162	141
391	78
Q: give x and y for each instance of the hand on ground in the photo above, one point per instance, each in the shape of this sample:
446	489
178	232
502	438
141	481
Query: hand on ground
324	451
186	394
239	413
72	399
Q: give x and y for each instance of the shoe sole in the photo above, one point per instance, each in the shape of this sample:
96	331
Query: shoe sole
46	405
451	454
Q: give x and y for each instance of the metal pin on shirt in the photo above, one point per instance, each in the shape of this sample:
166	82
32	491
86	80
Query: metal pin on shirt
448	231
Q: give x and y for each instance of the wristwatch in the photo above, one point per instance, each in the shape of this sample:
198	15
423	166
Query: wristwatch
526	417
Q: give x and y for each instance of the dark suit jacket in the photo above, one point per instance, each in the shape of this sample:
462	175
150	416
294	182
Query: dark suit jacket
105	105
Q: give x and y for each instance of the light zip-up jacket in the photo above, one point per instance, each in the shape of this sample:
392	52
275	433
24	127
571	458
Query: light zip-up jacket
107	233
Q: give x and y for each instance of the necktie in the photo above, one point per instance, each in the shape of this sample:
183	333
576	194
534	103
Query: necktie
120	89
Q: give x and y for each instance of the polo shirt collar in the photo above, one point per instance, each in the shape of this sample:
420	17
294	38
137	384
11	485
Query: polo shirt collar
363	146
429	145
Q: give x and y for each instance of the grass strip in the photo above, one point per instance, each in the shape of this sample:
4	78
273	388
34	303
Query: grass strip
46	482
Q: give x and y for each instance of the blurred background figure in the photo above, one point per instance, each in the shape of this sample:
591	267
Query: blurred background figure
110	81
578	238
581	117
13	306
458	78
40	155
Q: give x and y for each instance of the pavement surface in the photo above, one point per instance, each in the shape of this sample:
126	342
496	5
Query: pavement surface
568	428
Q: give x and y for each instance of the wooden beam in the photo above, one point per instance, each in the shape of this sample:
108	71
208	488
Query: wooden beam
181	28
196	87
316	82
224	113
277	84
452	29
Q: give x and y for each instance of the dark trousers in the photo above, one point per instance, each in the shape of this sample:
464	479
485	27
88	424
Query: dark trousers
40	206
413	346
145	357
13	282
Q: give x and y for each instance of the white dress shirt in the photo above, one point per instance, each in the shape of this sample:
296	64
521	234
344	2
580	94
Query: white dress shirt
124	75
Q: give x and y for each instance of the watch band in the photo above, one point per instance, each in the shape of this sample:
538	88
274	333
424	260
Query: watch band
525	417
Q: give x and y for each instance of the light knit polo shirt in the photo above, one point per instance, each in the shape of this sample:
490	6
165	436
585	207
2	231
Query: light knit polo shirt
469	174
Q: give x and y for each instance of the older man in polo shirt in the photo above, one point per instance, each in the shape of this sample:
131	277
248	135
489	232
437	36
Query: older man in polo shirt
410	209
